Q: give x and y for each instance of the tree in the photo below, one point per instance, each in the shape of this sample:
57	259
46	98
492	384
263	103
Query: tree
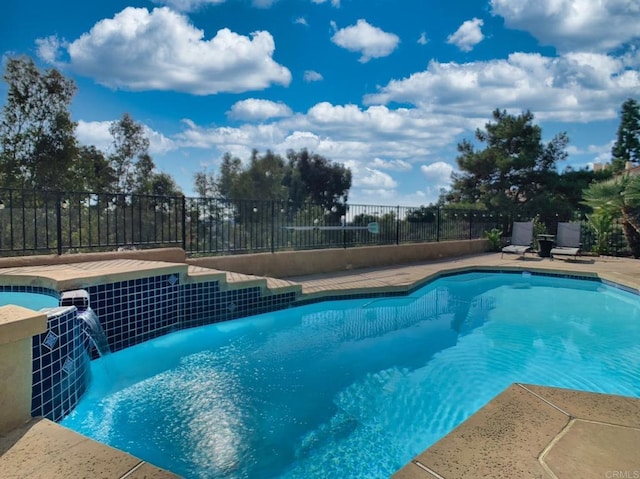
37	135
512	173
129	144
163	184
93	171
324	183
230	169
304	177
560	198
627	145
142	175
618	198
422	214
262	179
567	190
147	181
204	184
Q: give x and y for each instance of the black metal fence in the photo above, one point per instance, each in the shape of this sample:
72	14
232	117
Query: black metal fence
39	222
33	222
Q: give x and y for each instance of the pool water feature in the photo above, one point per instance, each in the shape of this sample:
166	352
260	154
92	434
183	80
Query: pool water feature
356	388
94	331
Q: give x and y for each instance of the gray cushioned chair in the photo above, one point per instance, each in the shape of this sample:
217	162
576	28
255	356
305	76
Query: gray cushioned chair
567	240
521	238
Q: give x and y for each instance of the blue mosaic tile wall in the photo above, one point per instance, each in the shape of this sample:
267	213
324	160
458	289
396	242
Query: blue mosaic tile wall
130	312
137	310
29	289
204	303
60	365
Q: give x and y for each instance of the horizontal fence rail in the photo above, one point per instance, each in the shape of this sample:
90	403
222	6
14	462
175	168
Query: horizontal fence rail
41	222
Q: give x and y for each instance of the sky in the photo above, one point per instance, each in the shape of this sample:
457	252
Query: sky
386	87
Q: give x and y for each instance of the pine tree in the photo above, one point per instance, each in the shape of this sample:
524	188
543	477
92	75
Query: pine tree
627	145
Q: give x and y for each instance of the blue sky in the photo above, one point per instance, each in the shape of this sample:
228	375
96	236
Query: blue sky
387	87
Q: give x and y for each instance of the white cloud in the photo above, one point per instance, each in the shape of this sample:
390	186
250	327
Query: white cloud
187	5
423	40
48	49
253	109
312	76
193	5
160	50
375	179
392	197
468	35
370	41
593	25
227	138
369	179
631	58
335	3
574	87
297	140
96	133
158	143
438	174
301	21
401	133
393	165
263	3
599	153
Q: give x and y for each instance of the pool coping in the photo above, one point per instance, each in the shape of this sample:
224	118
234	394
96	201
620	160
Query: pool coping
366	282
535	432
325	287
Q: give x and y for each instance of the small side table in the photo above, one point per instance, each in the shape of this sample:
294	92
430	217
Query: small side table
545	243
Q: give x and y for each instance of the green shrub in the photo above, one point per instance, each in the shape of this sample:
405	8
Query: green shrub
495	239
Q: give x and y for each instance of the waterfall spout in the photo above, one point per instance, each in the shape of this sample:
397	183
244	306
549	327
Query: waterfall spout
94	330
80	299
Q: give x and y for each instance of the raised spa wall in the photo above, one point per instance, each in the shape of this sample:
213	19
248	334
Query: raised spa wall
131	312
17	327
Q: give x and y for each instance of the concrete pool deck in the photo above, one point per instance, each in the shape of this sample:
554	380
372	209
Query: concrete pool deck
527	431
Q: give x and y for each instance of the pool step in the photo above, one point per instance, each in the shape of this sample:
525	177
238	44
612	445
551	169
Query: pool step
230	281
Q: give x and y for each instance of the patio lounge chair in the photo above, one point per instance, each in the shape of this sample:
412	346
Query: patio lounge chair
521	238
567	240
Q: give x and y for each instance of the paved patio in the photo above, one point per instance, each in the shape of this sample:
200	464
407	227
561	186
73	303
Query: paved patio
527	431
620	270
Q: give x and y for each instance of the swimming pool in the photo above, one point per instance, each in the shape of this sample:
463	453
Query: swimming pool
35	301
356	388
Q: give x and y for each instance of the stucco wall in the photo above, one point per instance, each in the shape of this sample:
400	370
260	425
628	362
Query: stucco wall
282	264
299	263
17	326
171	255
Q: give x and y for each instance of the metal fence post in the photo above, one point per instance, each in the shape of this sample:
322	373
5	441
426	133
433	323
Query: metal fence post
59	223
438	224
184	223
343	223
11	218
273	226
398	224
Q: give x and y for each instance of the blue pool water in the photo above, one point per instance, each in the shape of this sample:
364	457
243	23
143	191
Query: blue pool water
356	388
33	301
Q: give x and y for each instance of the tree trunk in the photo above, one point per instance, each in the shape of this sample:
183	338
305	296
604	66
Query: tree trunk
633	238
